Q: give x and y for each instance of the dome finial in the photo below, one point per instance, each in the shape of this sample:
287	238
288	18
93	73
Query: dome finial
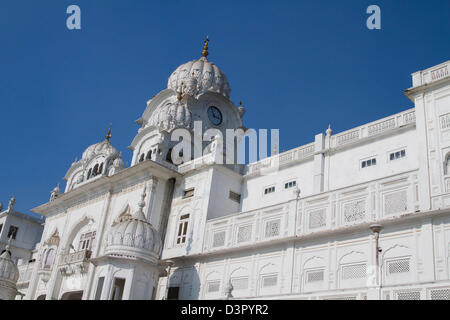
180	92
205	48
108	135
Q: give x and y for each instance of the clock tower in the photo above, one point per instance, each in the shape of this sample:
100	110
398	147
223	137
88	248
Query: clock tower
197	91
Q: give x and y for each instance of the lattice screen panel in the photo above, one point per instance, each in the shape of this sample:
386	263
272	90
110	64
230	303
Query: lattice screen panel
315	276
272	228
395	202
317	218
440	294
408	295
354	211
269	281
219	239
213	286
355	271
240	283
398	266
244	233
341	298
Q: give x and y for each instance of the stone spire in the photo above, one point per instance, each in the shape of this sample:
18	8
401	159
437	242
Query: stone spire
329	131
140	212
11	204
7	253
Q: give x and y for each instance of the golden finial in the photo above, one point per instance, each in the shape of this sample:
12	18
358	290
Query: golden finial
205	48
108	135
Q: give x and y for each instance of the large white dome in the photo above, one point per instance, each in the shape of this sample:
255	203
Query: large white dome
197	77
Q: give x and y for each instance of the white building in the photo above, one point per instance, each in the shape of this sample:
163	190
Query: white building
19	234
24	229
301	224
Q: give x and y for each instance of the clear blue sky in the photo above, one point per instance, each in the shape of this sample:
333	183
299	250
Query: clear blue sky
296	65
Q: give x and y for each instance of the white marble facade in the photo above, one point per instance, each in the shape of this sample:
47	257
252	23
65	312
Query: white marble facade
156	230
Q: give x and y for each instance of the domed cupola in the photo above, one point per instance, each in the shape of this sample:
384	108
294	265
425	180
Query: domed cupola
9	274
199	76
171	115
102	148
98	160
133	237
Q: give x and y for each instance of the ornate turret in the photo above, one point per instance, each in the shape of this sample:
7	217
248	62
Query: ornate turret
97	160
9	274
55	193
134	237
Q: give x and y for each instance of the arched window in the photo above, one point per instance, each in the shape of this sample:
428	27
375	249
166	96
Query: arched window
182	229
141	157
100	169
89	174
95	171
49	258
149	155
447	164
169	156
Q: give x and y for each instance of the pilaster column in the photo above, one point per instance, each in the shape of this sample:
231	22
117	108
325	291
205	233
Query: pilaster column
100	237
51	284
151	189
424	164
319	163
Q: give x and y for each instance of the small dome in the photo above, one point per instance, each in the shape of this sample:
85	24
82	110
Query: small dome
172	115
9	273
199	76
134	237
118	162
105	148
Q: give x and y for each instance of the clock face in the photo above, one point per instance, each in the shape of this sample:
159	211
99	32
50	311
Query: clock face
214	115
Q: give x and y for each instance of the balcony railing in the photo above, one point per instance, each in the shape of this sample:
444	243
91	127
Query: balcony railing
320	213
75	257
25	271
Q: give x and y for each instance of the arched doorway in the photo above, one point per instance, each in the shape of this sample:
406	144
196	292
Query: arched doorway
73	295
41	297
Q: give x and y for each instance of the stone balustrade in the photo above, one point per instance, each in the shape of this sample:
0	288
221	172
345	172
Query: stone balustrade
322	213
75	257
